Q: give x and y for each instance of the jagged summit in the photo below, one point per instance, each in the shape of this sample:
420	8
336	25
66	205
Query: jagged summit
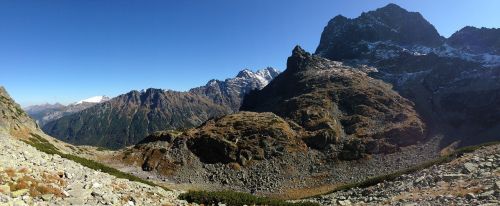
345	38
392	32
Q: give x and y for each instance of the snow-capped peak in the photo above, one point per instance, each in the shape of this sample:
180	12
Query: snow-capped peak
96	99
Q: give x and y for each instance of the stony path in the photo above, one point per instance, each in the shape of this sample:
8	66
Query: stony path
473	179
31	177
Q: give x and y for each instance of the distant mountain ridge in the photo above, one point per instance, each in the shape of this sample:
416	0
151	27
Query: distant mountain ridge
45	113
127	119
231	91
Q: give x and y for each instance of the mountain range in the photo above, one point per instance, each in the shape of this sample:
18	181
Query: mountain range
45	113
127	119
383	94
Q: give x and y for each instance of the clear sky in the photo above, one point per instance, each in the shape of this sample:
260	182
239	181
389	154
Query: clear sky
64	51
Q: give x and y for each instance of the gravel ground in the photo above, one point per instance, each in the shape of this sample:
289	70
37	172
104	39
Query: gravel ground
31	177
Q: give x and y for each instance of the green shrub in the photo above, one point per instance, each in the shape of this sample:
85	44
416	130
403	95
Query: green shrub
235	199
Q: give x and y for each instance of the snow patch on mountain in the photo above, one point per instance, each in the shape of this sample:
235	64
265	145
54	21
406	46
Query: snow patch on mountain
95	99
389	49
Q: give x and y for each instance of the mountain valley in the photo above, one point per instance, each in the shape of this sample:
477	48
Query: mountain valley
386	111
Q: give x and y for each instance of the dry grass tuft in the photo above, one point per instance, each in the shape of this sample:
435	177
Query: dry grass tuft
11	172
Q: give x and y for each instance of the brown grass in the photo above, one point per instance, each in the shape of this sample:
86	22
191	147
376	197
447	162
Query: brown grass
234	166
54	178
11	172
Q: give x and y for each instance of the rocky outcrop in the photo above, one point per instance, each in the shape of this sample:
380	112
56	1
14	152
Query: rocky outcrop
243	137
337	104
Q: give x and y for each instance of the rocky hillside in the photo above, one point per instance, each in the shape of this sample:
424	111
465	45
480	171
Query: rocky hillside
452	82
13	120
472	179
330	112
338	104
49	112
127	119
31	177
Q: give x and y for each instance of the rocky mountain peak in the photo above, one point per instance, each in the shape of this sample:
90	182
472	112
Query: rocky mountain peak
392	8
245	73
295	62
345	38
476	40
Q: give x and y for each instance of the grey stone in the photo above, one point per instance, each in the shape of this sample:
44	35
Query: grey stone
344	202
470	167
47	197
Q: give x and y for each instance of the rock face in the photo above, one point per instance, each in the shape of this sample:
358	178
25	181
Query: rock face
13	119
127	119
452	82
339	104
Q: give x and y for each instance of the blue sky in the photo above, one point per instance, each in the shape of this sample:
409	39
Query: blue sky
64	51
